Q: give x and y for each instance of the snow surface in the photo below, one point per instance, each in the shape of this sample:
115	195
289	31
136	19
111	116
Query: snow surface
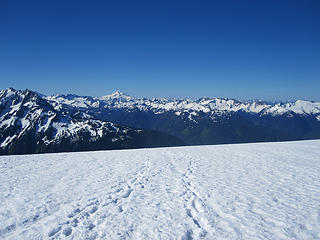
242	191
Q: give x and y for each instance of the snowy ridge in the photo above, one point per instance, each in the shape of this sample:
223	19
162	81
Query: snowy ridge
243	191
25	113
211	106
25	110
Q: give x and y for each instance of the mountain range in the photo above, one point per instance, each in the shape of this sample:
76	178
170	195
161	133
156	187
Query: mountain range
34	123
30	124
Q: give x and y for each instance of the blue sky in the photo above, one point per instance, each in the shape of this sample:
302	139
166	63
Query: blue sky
237	49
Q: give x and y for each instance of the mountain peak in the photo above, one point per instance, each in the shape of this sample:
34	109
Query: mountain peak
117	94
26	93
7	92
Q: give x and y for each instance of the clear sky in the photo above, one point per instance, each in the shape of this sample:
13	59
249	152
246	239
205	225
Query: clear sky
237	49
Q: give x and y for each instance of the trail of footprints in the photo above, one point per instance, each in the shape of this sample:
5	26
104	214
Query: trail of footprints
195	207
40	212
204	218
207	219
96	208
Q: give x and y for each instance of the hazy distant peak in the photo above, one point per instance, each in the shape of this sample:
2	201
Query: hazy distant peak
116	94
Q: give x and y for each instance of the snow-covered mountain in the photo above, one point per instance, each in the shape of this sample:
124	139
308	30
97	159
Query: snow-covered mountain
29	124
237	191
211	106
202	121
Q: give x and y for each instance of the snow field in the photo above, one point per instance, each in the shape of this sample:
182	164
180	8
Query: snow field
242	191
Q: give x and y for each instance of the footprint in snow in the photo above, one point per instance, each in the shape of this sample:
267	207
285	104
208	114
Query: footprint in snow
54	231
127	193
120	209
93	209
74	212
67	231
91	226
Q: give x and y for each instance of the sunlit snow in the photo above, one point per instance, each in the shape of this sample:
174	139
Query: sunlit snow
119	100
242	191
